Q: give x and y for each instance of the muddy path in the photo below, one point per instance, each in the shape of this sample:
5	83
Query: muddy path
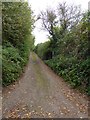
40	93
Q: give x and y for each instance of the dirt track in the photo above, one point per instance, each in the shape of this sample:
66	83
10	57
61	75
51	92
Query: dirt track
41	93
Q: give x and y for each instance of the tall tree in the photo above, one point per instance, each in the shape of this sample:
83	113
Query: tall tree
48	18
68	16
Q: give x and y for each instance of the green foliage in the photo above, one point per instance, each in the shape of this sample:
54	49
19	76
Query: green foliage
11	65
71	69
17	24
43	50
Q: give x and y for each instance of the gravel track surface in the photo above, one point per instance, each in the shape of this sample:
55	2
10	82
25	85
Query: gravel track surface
40	93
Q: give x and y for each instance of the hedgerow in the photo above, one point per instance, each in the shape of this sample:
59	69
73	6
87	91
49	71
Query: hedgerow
70	53
17	25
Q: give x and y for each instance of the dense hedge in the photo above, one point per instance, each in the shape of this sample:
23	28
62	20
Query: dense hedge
72	70
17	24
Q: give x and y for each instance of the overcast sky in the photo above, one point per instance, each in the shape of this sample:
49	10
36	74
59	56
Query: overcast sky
39	5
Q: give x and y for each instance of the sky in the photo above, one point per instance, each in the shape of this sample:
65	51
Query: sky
39	5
